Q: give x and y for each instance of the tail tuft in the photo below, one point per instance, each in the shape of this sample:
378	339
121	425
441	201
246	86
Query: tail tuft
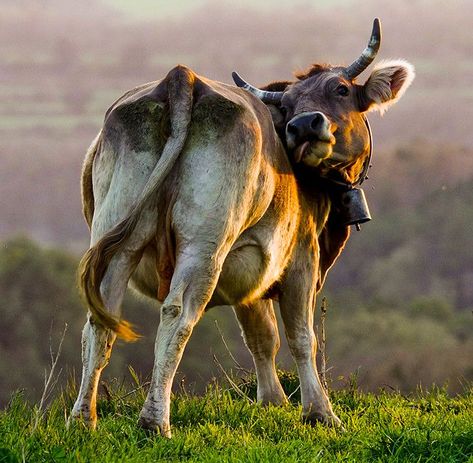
92	268
126	332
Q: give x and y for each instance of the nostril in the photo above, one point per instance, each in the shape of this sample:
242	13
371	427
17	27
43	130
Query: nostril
316	121
292	129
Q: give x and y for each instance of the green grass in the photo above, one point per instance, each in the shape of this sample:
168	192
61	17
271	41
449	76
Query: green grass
220	427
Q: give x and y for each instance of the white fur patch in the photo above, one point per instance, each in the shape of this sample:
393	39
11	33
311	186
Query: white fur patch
384	79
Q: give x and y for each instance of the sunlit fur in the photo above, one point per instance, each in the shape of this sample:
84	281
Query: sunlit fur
387	83
236	228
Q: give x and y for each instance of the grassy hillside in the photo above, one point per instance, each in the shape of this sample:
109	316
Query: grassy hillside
428	427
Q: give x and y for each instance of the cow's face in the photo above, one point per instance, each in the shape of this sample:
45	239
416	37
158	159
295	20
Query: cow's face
320	116
321	120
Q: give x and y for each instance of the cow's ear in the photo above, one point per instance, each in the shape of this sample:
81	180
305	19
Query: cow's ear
277	115
386	84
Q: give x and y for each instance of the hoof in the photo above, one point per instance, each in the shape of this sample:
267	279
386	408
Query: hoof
329	420
151	427
274	399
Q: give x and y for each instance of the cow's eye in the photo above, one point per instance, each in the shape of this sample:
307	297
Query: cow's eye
283	110
342	90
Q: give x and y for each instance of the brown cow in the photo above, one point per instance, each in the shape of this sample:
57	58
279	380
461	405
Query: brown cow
199	194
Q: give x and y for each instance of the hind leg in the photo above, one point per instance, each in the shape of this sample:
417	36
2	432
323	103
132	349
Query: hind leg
260	332
97	341
192	285
118	179
96	349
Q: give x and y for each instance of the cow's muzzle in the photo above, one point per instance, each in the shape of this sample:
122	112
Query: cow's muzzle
310	136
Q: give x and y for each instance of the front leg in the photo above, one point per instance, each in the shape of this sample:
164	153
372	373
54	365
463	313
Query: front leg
260	332
297	305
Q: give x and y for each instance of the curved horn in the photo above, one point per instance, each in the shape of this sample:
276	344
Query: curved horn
368	55
263	95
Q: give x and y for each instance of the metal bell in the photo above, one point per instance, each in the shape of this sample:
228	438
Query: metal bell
354	208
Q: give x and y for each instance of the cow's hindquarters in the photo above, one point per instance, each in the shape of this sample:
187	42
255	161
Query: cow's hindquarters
114	197
132	175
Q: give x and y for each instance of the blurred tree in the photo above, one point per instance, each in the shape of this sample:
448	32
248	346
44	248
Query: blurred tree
39	295
426	249
427	307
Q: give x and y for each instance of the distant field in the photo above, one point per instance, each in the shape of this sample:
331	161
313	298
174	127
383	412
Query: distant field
57	121
429	427
140	9
152	8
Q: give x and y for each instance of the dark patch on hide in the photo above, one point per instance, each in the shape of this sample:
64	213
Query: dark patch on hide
213	111
144	123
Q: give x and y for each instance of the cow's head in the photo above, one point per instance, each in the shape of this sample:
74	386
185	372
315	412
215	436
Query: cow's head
320	116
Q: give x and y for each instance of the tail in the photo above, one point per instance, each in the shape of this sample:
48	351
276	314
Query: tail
94	264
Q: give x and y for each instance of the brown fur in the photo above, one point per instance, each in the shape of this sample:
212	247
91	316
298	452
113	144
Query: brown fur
313	70
278	86
216	206
332	241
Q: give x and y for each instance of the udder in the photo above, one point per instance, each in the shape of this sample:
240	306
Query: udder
245	275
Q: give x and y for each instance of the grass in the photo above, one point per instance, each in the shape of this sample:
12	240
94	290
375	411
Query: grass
221	427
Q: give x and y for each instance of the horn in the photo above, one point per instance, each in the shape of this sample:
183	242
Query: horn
368	55
263	95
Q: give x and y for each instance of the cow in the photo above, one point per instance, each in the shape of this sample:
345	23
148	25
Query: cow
201	194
